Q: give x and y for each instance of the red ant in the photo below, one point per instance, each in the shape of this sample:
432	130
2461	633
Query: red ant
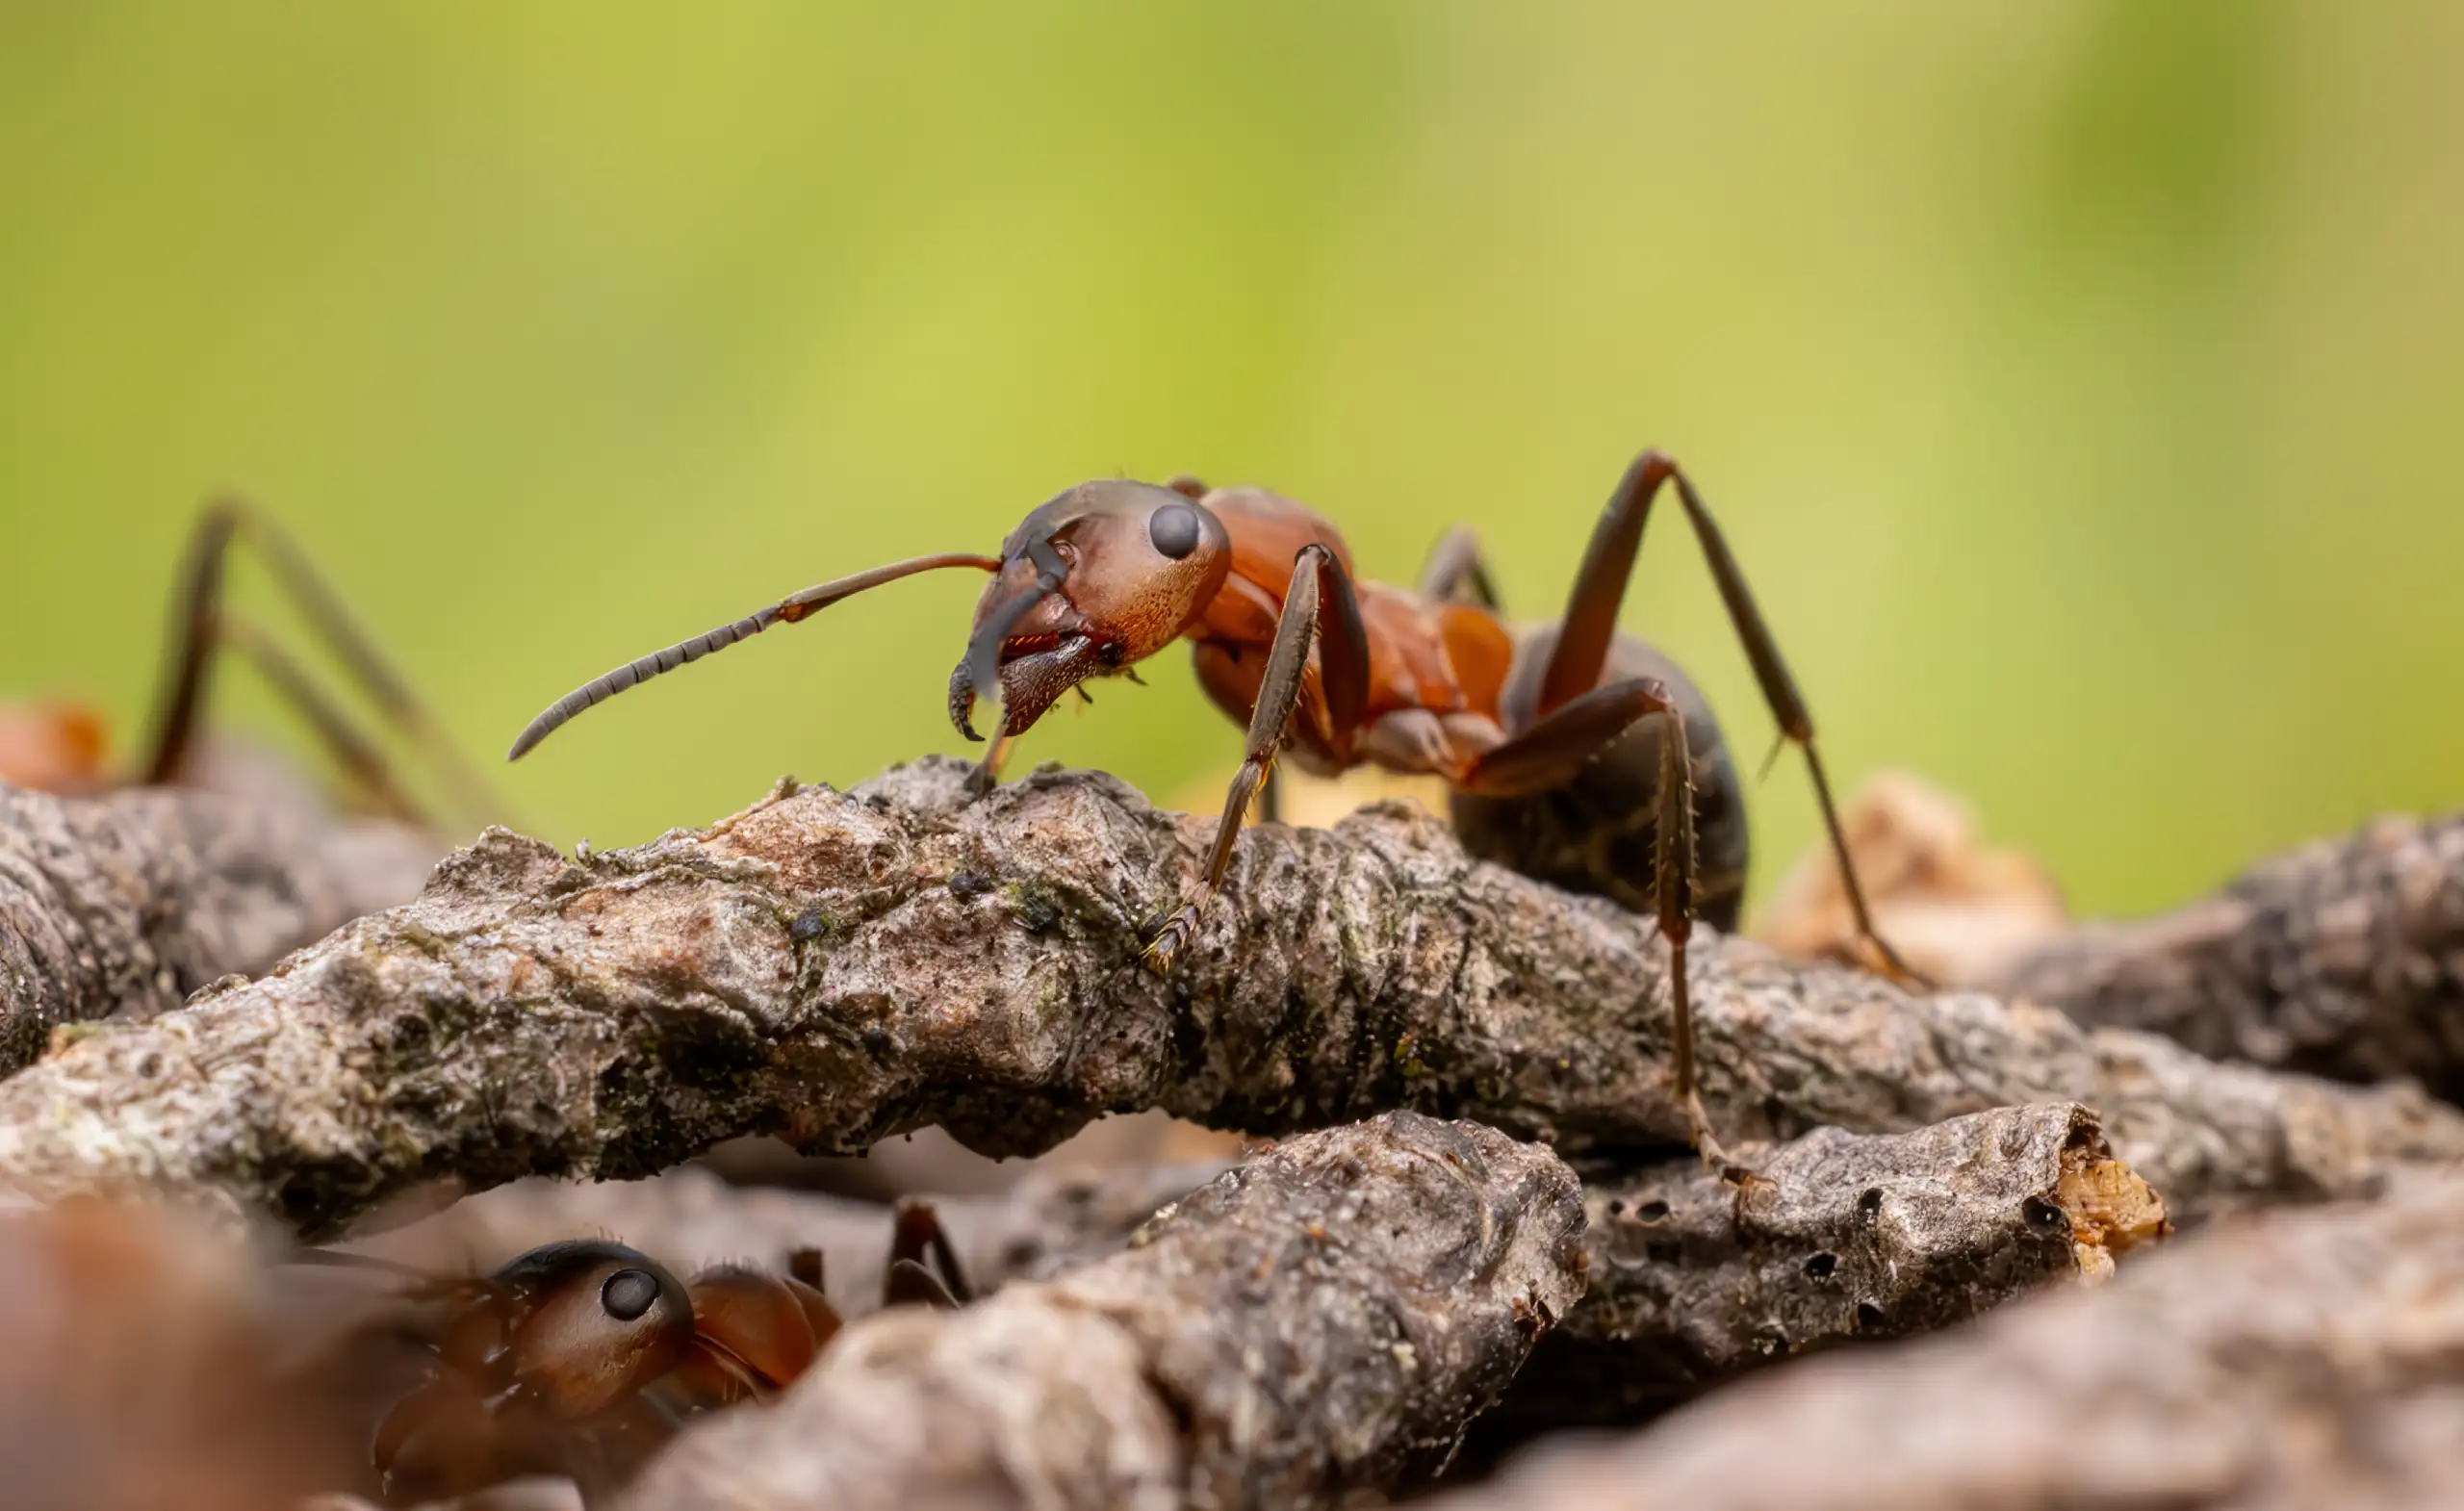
61	747
1575	754
581	1358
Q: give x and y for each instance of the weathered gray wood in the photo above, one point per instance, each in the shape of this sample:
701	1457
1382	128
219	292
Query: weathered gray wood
1847	1238
1323	1319
127	902
839	968
690	1217
2342	958
2284	1360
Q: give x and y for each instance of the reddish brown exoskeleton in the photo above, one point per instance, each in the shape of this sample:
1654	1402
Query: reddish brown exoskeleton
1575	754
579	1359
61	747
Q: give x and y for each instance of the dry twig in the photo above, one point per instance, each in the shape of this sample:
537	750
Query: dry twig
2310	1358
2342	959
127	902
1693	1280
1847	1237
689	1218
839	968
1323	1319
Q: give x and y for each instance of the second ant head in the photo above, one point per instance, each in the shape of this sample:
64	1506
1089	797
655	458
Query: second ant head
578	1325
1094	582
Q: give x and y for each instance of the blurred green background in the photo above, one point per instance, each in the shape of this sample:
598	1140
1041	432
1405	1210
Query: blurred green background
2079	383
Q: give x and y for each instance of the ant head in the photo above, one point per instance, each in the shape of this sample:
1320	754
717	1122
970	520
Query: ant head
1095	581
582	1325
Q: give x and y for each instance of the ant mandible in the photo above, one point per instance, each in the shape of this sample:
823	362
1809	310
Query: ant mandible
1574	752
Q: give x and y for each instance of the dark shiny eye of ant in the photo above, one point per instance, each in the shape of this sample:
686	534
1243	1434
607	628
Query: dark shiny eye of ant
1174	530
628	1293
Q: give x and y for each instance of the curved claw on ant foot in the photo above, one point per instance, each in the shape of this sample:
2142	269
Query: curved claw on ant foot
1886	964
1170	936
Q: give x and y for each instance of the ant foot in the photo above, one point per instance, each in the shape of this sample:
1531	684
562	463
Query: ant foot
1715	1158
1174	933
1886	963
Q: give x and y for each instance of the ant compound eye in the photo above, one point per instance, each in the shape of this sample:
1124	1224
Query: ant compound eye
1174	530
628	1293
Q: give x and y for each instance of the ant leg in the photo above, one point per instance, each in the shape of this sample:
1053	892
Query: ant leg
916	1235
908	1283
1454	565
1551	753
194	633
351	750
202	630
804	1283
1318	606
1547	756
1674	880
986	774
1591	623
386	687
201	627
804	1266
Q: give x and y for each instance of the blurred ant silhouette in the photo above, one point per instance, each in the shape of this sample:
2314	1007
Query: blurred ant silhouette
1574	752
581	1358
60	747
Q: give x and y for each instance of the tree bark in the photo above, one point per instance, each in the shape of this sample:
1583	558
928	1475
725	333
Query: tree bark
1693	1279
125	903
686	1218
2342	959
837	968
2311	1358
1846	1237
1323	1319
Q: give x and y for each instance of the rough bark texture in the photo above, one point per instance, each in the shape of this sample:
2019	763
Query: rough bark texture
1848	1237
930	1162
1693	1279
1323	1319
689	1218
2344	958
2294	1359
130	902
839	968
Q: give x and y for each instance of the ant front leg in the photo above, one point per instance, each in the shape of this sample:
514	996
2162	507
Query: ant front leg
1319	598
1591	623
